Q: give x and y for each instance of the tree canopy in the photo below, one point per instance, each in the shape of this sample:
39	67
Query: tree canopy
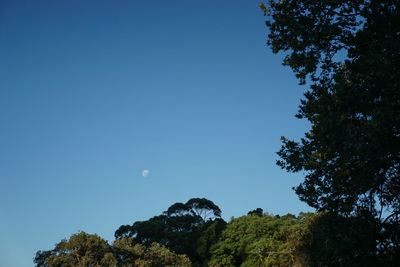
349	52
255	240
83	250
80	250
185	228
179	236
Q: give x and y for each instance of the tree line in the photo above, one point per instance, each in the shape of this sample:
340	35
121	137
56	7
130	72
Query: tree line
186	234
194	234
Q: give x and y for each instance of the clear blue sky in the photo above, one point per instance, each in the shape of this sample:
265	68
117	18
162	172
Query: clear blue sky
94	92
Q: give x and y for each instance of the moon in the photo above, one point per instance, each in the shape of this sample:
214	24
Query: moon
145	173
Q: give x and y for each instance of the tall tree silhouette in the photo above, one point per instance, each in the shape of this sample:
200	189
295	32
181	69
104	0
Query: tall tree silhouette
349	53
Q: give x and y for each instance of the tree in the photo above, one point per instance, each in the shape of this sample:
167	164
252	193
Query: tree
204	208
83	250
80	250
349	53
180	229
40	258
259	241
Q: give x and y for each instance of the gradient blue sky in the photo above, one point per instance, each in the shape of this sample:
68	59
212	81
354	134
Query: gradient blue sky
94	92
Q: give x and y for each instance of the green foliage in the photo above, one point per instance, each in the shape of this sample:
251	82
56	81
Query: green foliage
40	258
126	252
130	254
259	241
189	229
209	235
159	256
90	250
80	249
